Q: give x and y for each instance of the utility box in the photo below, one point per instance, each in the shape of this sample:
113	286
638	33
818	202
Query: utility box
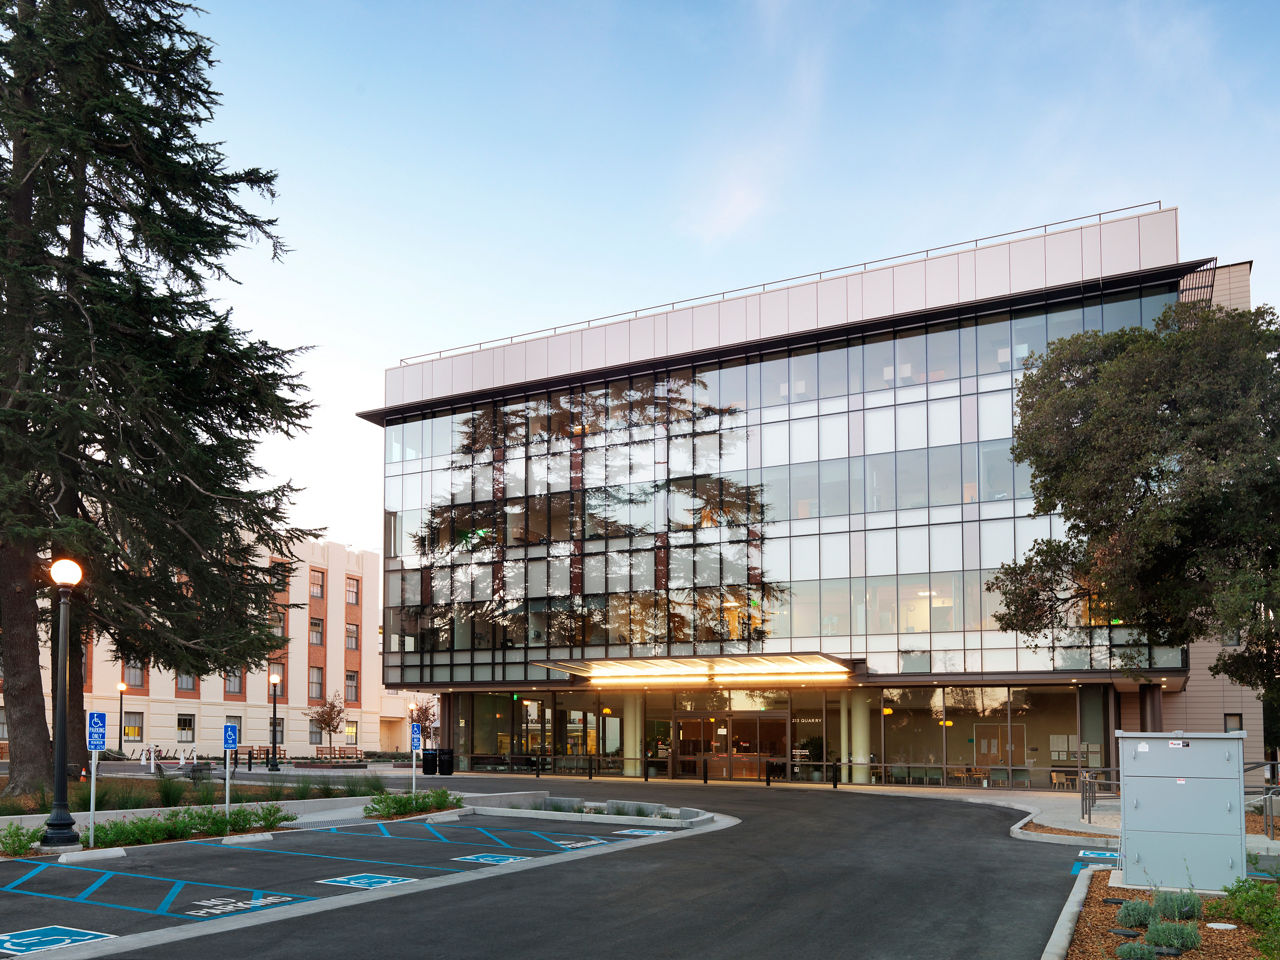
1182	803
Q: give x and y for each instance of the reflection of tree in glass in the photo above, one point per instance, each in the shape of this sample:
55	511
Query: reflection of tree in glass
565	486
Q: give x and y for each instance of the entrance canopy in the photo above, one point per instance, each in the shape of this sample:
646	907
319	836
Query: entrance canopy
744	669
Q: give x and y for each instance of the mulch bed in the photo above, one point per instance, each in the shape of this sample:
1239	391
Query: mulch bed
1092	939
1032	827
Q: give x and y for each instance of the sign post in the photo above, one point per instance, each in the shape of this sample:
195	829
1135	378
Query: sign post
230	742
415	744
97	729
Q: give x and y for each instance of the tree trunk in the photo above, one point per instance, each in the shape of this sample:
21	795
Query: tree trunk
77	737
30	748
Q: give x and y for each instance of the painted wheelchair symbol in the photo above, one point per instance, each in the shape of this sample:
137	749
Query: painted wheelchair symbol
46	938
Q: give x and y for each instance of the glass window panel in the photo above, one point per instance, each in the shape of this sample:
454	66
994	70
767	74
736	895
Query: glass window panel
806	610
978	738
774	384
733	563
911	731
804	376
833	371
881	483
1022	481
997	543
878	436
706	453
943	345
774	444
1064	321
991	604
733	450
835	608
833	436
913	479
995	415
1028	335
969	472
944	422
775	560
805	558
707	566
913	549
804	440
912	428
804	491
913	604
775	494
733	385
833	494
877	362
945	545
910	358
834	550
395	442
1120	311
944	476
706	387
995	352
995	471
679	457
882	551
1093	313
1154	302
680	569
593	573
882	604
857	485
946	602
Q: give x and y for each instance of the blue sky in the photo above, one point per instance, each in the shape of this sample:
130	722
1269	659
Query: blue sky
461	171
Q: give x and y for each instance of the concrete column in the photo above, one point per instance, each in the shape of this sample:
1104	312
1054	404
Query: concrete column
632	734
861	737
845	752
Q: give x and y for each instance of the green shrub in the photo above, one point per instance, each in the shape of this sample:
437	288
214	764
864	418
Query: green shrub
1254	902
10	807
370	785
1135	913
275	789
170	791
1136	951
405	804
209	820
121	796
302	788
240	820
179	824
271	815
206	792
1178	905
325	788
16	840
1167	933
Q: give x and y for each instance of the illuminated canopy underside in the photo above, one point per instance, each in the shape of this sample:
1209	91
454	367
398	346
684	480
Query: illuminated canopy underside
749	669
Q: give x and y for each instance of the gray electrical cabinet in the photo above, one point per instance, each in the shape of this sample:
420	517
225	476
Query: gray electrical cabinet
1182	797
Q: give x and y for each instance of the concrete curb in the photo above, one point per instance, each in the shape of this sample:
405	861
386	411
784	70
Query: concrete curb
657	823
1065	928
102	853
1101	842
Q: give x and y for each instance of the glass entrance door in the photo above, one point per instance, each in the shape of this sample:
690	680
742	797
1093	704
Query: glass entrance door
703	742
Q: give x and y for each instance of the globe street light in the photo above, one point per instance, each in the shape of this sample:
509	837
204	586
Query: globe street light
122	687
273	766
59	832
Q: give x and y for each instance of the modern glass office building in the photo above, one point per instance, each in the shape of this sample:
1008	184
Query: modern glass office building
747	536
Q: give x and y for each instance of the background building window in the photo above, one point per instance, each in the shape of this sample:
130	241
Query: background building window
234	682
315	683
4	725
353	590
278	725
353	685
314	734
353	636
186	681
133	726
353	730
133	674
186	728
235	722
1232	722
316	632
317	583
278	626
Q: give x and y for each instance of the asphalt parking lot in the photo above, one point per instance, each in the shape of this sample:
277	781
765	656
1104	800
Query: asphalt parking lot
45	904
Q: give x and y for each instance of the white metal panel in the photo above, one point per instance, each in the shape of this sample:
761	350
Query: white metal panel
908	287
1158	238
1120	246
833	302
802	307
942	281
1062	263
1026	264
733	321
991	272
877	293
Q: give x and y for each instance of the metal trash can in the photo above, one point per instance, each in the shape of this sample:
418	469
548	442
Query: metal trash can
429	762
446	762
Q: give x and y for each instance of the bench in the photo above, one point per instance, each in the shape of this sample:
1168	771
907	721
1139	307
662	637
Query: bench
200	771
350	753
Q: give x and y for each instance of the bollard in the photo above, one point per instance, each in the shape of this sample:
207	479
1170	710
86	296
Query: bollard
537	767
768	774
251	759
835	776
590	765
704	769
645	761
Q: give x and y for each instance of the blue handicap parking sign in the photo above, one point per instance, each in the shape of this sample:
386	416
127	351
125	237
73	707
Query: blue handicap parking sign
97	728
415	736
230	736
493	859
366	881
45	938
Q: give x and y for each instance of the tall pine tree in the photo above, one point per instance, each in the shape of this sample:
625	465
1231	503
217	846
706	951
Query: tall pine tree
130	408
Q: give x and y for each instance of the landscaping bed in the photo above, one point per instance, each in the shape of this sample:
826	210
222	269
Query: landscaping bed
1093	940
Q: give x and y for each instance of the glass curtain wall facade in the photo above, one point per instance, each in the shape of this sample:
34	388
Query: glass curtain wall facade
848	495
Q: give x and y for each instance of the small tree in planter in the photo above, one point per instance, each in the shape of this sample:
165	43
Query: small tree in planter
425	713
330	716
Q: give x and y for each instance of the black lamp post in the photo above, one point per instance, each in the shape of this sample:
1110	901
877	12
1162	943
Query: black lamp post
59	831
273	766
122	687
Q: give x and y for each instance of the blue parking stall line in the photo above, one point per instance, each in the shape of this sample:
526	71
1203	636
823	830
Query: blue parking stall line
167	902
84	894
324	856
40	868
145	876
442	839
382	829
439	836
498	840
543	835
